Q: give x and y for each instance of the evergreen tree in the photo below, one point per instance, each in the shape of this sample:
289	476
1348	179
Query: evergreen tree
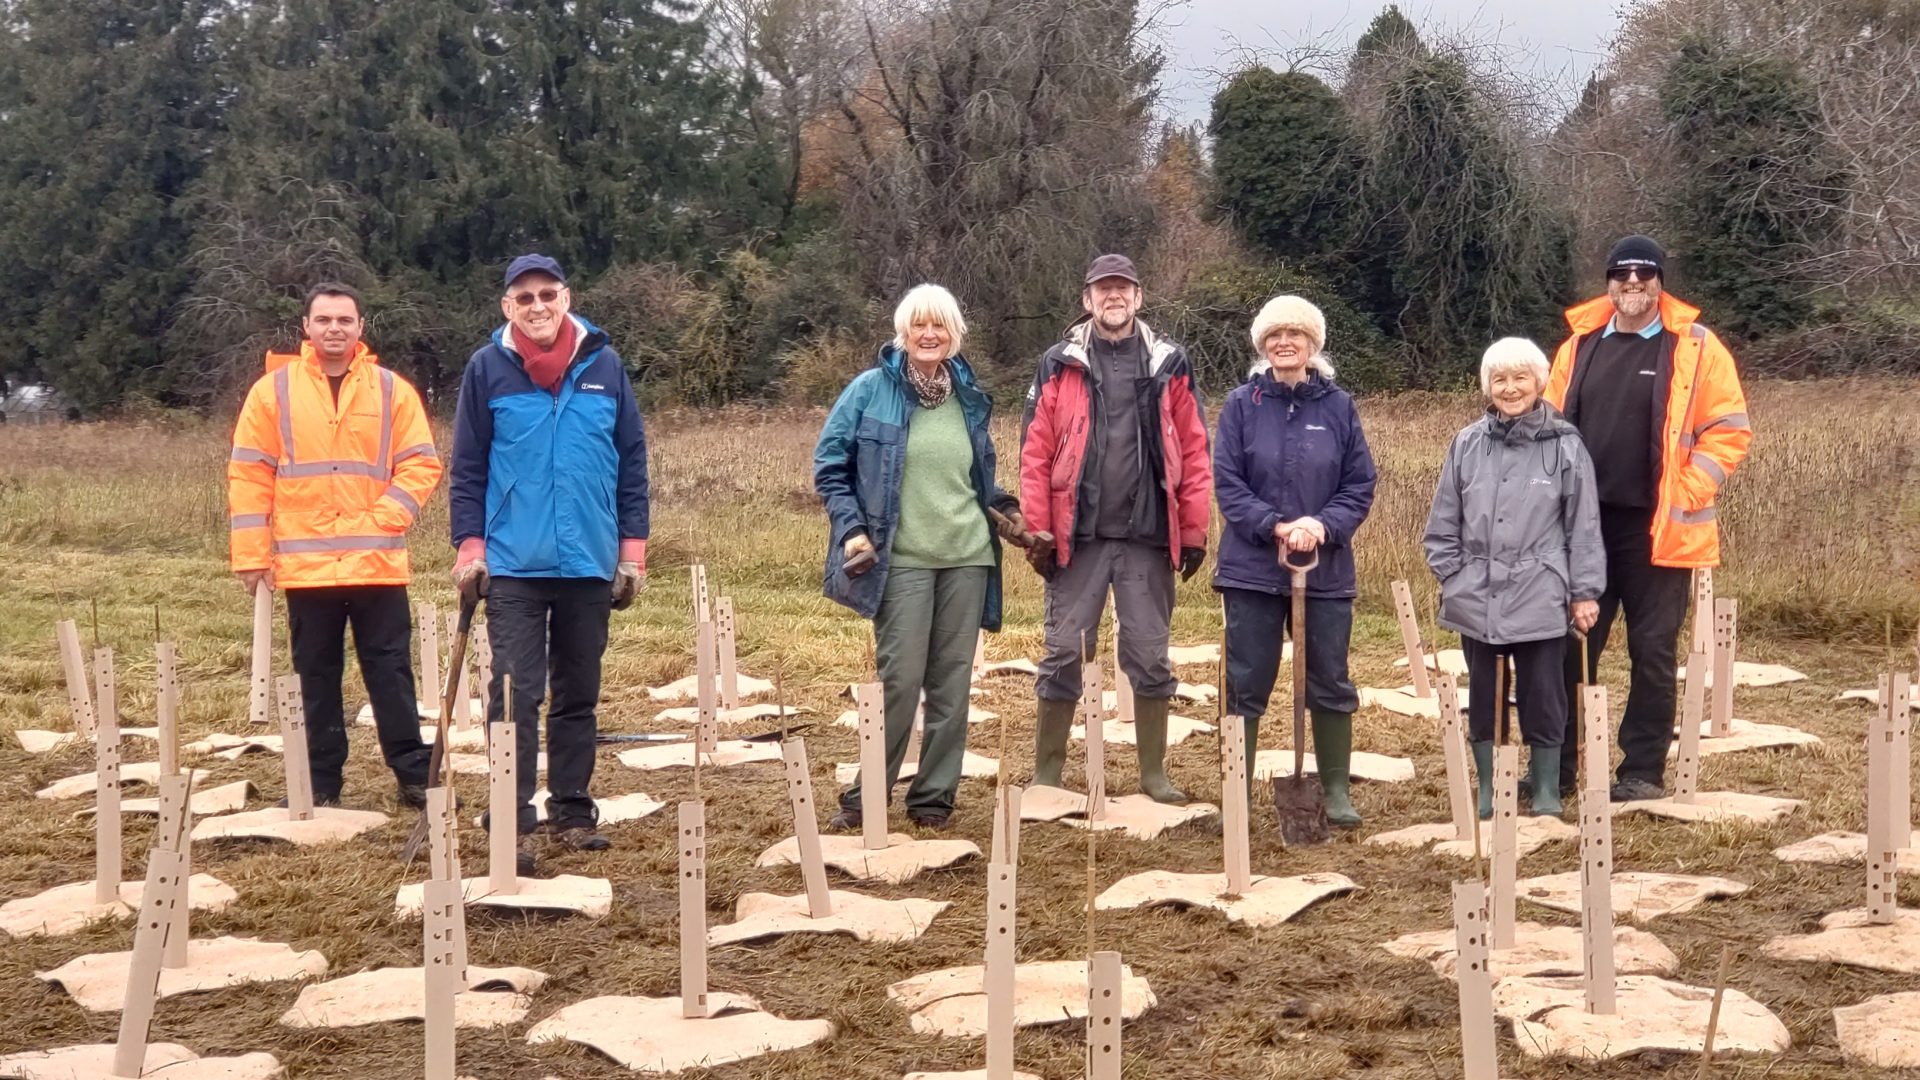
1282	163
1758	192
1390	34
107	111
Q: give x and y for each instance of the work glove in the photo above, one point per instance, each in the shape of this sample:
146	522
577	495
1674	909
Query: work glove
628	580
1190	561
470	569
251	580
1041	555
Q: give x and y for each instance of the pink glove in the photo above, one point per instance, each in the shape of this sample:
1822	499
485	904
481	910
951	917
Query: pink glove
634	550
470	568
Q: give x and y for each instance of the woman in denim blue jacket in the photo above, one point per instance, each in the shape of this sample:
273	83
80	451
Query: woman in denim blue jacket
906	469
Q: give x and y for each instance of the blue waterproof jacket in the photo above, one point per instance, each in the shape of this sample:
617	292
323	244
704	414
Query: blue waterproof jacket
1286	452
858	464
552	481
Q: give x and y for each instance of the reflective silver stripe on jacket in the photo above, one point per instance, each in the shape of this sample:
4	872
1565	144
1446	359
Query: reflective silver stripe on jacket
399	495
246	521
331	468
1693	517
251	456
282	392
338	543
1709	466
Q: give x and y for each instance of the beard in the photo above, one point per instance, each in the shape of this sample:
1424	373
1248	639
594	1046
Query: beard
1633	304
1114	318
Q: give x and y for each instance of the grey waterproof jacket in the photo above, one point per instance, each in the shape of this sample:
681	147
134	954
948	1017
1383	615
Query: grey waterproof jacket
1514	534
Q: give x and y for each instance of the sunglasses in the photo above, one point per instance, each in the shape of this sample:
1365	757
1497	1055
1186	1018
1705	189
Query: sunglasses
1633	273
526	299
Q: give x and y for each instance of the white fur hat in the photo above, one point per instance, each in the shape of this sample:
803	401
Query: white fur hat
1290	313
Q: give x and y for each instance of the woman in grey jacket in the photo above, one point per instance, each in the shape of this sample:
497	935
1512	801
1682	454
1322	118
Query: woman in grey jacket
1514	537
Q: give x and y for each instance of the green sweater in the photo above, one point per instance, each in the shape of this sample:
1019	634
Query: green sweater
941	524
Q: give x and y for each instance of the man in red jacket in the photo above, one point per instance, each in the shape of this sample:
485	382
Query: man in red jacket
1114	465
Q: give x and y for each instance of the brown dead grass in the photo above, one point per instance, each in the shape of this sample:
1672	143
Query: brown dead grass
131	517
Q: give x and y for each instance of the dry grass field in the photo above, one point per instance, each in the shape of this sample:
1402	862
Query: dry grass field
1821	529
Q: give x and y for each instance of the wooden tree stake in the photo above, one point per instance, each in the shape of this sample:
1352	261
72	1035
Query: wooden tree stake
1702	638
870	700
106	782
1233	806
480	647
1889	815
1453	747
1713	1012
702	609
1006	824
1479	1058
706	689
1122	686
167	705
161	893
293	732
73	662
1103	1016
1092	712
173	830
728	648
1506	824
443	914
427	627
444	857
1001	912
1693	700
260	699
1726	614
806	827
693	909
1410	637
503	808
1596	855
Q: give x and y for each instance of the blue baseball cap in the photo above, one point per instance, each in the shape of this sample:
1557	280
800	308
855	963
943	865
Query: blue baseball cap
527	264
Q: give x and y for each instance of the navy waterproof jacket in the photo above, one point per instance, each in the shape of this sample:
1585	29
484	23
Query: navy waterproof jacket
860	459
553	481
1282	453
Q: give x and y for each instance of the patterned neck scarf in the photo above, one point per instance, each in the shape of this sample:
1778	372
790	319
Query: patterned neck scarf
933	389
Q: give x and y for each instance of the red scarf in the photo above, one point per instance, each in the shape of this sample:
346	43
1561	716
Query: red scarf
546	364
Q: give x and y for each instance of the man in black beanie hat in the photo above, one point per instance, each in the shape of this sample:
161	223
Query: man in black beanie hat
1658	402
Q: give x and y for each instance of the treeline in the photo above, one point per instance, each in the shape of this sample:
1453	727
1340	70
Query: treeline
740	188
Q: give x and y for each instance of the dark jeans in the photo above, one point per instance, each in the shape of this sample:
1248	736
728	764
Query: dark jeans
317	622
1654	600
1539	682
1256	622
551	631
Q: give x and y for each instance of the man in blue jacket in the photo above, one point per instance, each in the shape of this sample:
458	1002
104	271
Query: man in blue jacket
548	502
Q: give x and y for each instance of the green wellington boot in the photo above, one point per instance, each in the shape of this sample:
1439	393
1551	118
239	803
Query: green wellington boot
1333	750
1150	738
1483	770
1543	764
1050	740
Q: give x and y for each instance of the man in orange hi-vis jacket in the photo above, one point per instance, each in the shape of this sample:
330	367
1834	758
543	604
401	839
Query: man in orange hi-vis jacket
332	460
1658	403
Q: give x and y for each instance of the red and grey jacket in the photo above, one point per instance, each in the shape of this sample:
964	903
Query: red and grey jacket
1059	437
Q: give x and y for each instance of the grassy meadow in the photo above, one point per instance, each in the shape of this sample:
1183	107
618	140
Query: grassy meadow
129	519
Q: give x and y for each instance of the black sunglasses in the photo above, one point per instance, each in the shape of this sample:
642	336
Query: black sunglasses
1632	273
545	296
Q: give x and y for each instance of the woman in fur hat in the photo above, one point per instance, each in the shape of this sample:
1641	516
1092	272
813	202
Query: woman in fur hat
1293	473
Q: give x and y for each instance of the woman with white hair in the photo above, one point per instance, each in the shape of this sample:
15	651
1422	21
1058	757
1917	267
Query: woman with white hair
1293	474
1514	537
906	470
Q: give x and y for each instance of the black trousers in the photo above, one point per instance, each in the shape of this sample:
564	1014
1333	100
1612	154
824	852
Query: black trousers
1654	600
317	621
1539	682
1256	621
551	633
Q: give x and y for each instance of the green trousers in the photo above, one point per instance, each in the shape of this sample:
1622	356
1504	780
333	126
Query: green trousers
924	635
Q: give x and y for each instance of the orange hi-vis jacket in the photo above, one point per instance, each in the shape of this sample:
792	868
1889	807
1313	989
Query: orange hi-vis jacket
1702	431
323	491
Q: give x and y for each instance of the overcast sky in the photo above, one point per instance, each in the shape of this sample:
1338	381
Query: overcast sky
1561	40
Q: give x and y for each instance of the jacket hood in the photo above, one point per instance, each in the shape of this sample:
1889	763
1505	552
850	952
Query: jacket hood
893	361
1542	423
1265	385
1072	348
1676	314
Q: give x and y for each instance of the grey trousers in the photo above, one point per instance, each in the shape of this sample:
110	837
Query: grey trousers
1141	577
924	635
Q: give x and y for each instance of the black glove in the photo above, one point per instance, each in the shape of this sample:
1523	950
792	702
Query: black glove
1190	561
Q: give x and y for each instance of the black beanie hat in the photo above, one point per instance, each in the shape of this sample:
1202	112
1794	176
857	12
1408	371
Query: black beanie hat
1638	251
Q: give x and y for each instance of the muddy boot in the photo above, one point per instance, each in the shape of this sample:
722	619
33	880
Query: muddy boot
1543	763
1150	738
1050	740
1483	772
1333	750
